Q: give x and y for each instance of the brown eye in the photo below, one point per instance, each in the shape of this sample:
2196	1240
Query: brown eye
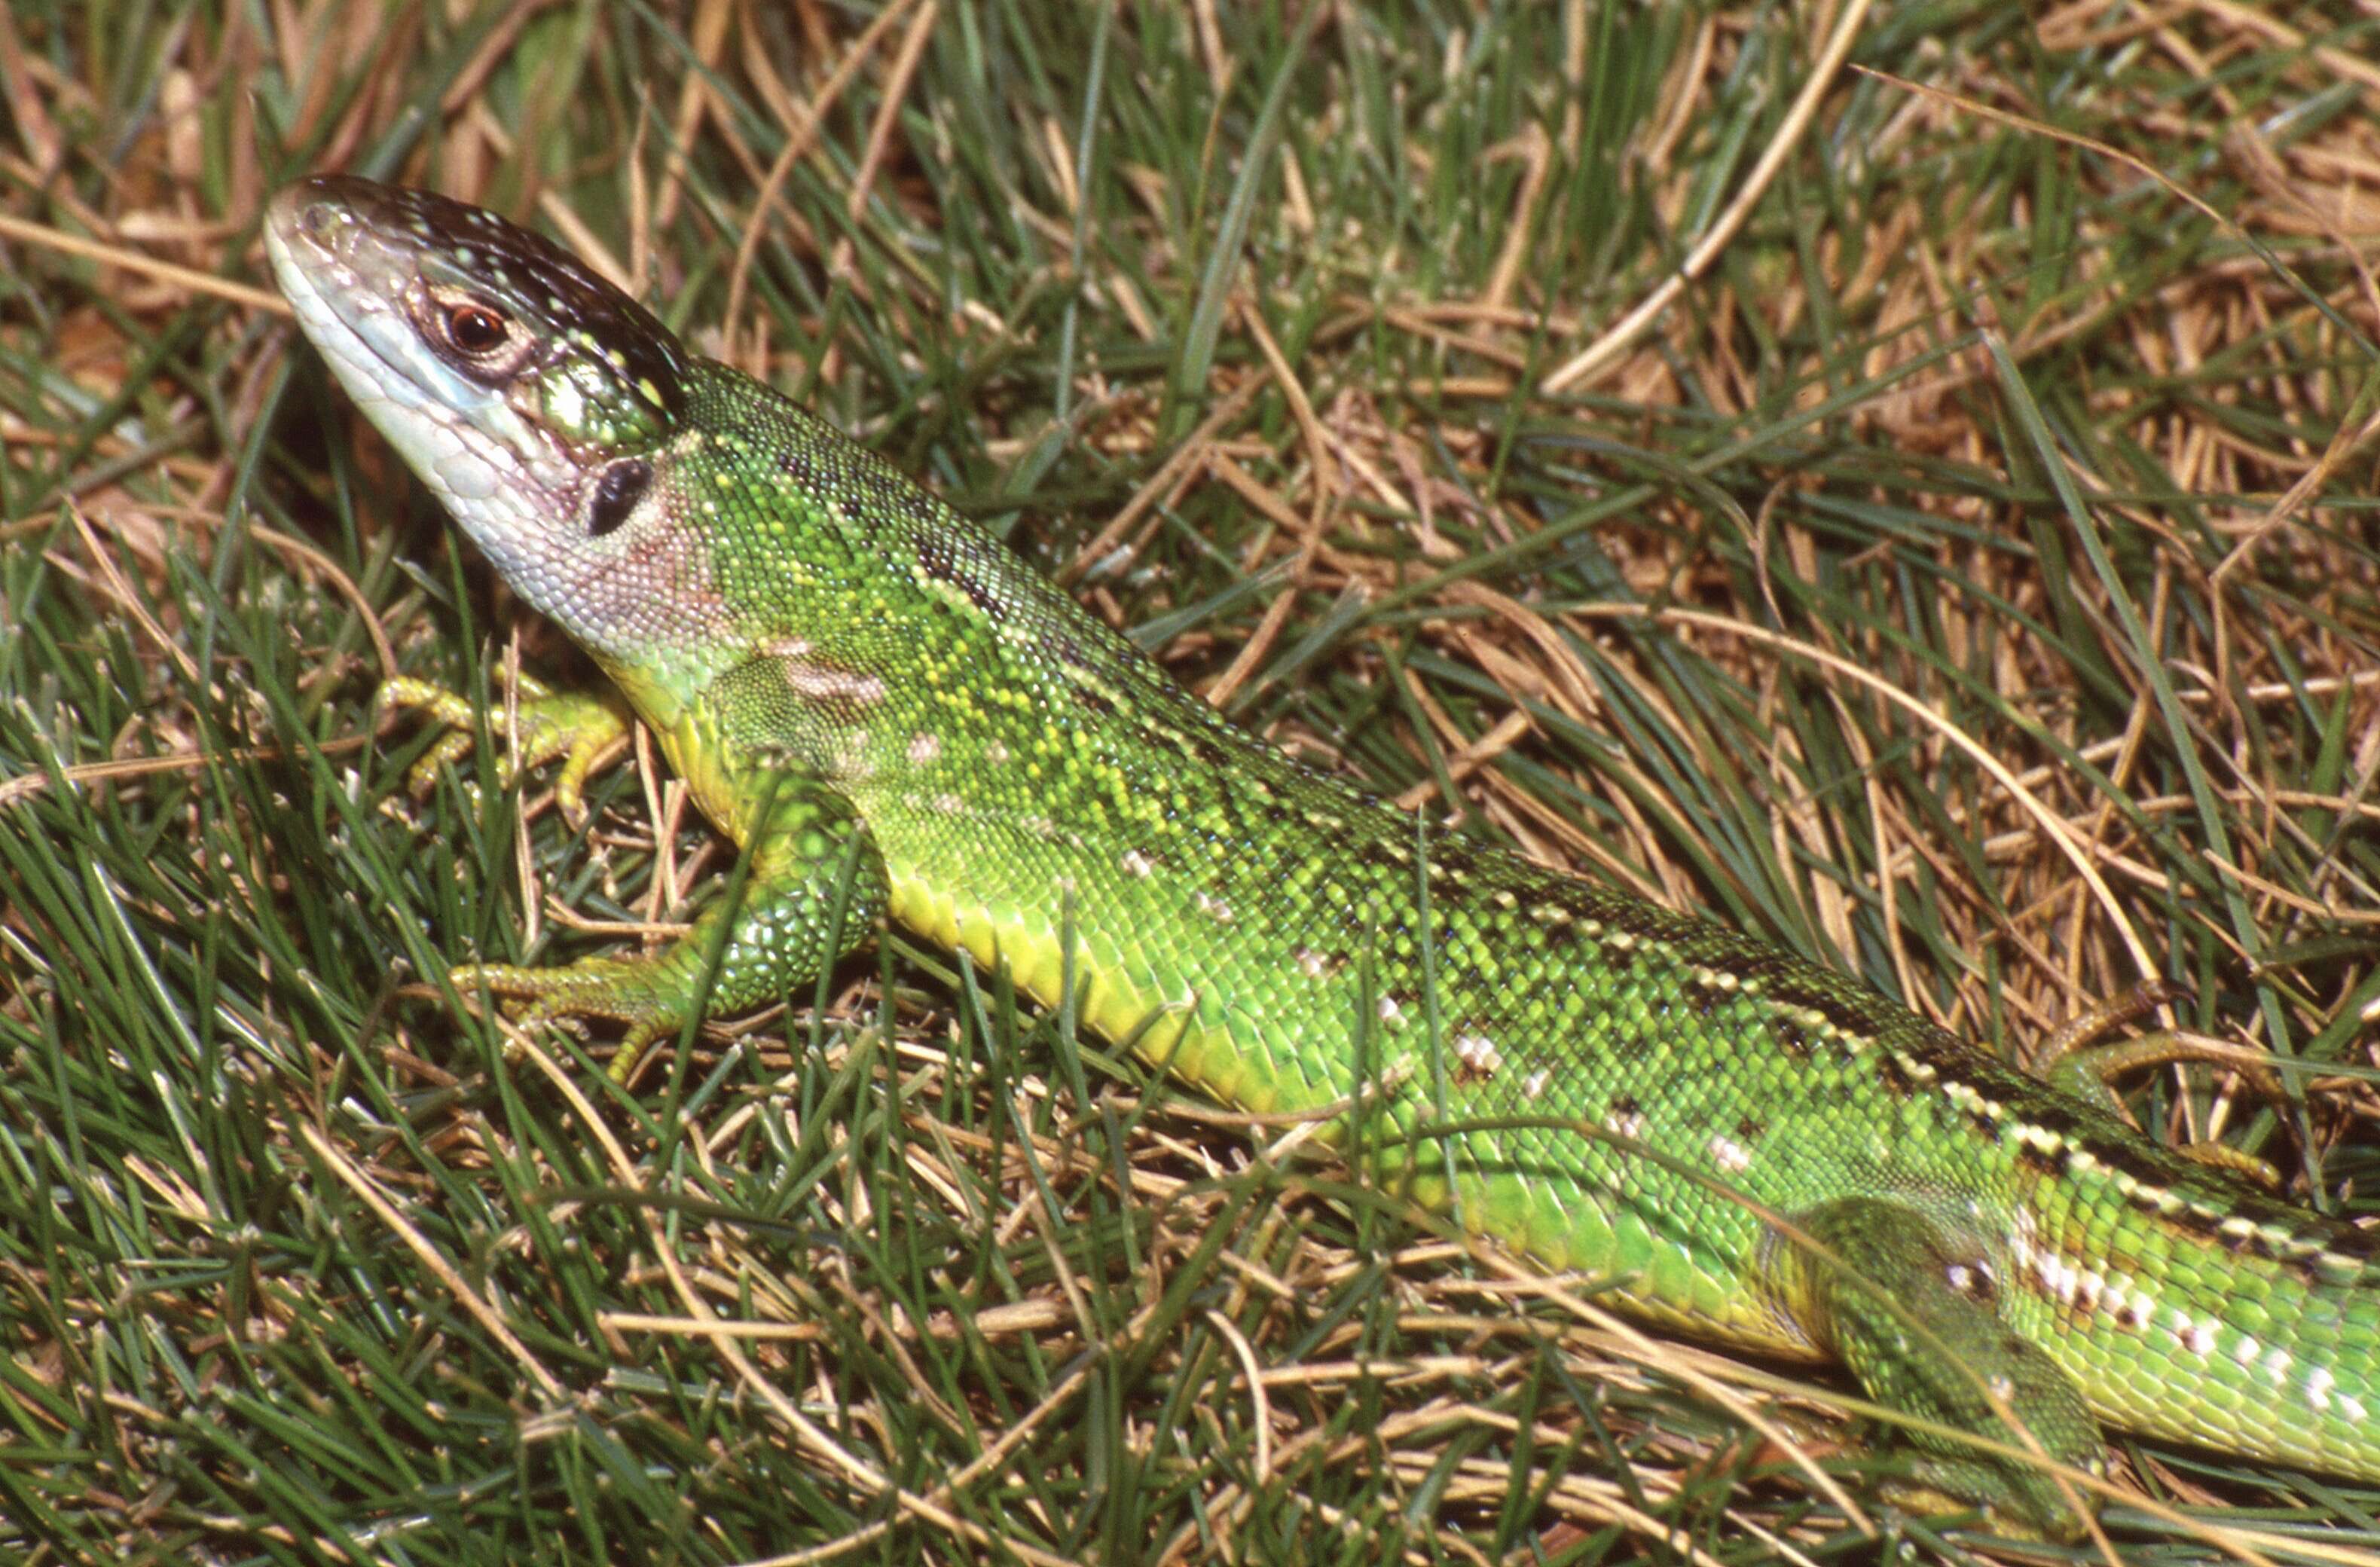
475	329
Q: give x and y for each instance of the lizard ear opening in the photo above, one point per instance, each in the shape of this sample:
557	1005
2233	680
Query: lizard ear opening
616	494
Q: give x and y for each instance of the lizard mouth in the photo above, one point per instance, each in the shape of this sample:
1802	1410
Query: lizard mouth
347	285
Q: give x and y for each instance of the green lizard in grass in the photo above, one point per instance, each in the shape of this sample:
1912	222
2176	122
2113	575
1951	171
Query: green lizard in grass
880	704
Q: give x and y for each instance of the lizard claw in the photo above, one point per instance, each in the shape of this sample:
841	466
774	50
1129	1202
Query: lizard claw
541	725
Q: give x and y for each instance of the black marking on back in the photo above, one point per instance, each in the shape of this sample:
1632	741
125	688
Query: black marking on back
1060	644
1194	745
1796	989
1456	858
1893	1077
940	561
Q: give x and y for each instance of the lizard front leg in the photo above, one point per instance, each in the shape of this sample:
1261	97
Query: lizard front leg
814	889
540	724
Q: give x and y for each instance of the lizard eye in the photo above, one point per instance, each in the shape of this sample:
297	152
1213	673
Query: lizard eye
474	329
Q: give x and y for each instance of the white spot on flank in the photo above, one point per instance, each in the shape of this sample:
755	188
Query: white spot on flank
1967	1096
1478	1054
1137	864
2040	1139
1391	1012
2318	1389
1311	964
2246	1349
1730	1155
1629	1125
826	683
1535	1083
2278	1362
1215	909
949	805
924	748
995	753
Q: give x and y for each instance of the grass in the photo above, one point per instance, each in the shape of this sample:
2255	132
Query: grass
1969	577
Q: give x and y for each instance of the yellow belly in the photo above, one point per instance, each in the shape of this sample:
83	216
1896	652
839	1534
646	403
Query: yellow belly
1188	1035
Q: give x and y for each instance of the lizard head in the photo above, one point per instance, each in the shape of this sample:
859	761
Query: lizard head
537	401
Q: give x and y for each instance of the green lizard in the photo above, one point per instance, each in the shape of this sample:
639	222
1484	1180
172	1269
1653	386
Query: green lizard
848	674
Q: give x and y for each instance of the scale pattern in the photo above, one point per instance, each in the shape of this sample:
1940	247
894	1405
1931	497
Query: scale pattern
884	704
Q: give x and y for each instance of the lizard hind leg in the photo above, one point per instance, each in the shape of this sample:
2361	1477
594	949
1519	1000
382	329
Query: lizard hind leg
1913	1315
2069	1061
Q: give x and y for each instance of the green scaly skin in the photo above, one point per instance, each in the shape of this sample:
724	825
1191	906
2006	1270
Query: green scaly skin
847	673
